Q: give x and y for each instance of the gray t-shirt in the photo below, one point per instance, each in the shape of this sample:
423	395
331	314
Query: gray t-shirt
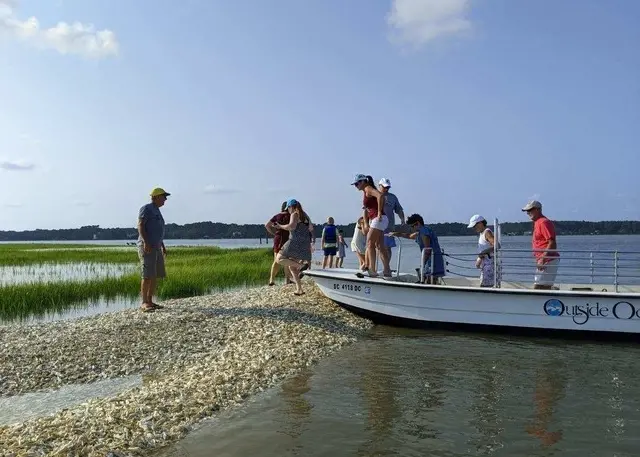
391	207
153	224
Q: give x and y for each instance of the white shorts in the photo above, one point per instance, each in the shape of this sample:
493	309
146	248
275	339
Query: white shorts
547	277
381	223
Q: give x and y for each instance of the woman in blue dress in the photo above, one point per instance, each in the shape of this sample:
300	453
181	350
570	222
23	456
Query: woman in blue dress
428	242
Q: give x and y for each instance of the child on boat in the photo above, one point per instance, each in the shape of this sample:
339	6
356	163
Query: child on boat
359	241
427	241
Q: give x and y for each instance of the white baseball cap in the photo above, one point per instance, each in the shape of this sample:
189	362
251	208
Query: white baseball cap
532	204
385	182
474	220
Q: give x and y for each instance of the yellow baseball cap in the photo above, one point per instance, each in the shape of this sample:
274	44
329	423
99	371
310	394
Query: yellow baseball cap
159	191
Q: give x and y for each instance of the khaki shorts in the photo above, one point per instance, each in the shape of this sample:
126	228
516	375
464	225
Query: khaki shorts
547	277
152	264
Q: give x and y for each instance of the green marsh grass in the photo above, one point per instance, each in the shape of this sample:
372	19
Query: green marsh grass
190	271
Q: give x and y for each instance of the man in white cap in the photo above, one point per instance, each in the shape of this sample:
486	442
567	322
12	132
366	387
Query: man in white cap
544	246
392	206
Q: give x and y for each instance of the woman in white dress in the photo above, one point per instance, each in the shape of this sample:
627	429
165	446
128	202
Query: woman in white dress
485	261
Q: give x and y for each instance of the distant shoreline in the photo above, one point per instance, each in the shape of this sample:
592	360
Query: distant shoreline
223	231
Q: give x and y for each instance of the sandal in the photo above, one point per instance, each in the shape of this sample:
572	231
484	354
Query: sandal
156	306
298	293
272	283
147	309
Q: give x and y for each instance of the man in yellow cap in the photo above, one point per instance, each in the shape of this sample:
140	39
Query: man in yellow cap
151	250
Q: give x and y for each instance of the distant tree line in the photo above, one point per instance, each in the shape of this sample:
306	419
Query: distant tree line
218	230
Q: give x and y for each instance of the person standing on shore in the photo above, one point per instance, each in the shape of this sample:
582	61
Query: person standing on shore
342	245
392	207
297	248
151	249
279	238
329	243
544	246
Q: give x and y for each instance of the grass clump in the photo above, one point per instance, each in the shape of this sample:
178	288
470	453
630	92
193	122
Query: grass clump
190	271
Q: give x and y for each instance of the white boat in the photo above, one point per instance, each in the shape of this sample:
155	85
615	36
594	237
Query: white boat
589	308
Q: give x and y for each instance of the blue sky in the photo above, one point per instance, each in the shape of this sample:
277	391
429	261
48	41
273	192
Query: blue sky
467	106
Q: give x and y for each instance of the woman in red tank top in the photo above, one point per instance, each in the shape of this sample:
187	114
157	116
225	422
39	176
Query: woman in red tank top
375	223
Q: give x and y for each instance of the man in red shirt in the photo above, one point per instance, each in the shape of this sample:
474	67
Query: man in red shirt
544	238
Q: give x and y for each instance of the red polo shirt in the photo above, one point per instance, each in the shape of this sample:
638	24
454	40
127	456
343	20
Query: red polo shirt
543	231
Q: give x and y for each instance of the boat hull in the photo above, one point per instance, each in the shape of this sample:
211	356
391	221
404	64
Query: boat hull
529	311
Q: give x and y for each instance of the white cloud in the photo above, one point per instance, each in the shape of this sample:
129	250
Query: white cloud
211	189
76	38
418	22
19	165
82	203
13	205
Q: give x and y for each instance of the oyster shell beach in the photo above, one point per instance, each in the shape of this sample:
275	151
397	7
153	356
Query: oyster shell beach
196	357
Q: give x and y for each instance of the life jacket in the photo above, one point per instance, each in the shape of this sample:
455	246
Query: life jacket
330	236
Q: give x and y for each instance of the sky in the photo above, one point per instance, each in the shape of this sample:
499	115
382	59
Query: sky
468	106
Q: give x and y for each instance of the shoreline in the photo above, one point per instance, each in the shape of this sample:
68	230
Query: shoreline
197	356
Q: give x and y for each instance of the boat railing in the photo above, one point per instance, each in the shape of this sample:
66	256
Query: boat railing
615	268
576	266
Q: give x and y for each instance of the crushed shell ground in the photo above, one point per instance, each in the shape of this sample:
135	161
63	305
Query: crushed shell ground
197	356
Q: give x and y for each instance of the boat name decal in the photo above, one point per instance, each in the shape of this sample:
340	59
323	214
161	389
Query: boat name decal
353	287
582	313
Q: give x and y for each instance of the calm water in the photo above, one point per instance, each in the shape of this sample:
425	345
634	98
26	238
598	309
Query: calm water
400	393
56	272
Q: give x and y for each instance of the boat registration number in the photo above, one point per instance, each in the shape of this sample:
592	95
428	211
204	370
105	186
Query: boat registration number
353	287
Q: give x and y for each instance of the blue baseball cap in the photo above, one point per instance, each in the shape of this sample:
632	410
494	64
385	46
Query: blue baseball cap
291	202
357	178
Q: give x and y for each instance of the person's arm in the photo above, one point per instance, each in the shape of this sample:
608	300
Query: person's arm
322	239
270	227
313	238
380	197
365	221
491	240
293	223
426	251
399	211
411	236
142	217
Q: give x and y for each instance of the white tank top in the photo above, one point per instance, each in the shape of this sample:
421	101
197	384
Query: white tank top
482	241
